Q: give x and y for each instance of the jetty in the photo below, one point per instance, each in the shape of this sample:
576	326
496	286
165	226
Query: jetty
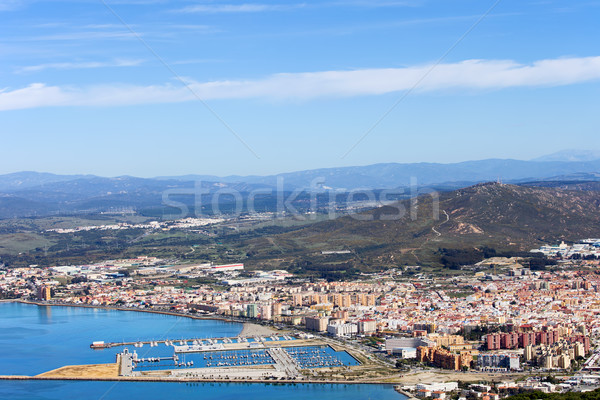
202	344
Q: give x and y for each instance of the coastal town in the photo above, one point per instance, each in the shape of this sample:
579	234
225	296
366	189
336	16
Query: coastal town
512	326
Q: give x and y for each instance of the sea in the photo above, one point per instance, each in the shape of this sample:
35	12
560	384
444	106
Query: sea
36	339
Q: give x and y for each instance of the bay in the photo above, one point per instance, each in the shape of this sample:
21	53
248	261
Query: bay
36	339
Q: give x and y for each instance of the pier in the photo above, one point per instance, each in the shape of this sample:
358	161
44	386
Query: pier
283	362
203	344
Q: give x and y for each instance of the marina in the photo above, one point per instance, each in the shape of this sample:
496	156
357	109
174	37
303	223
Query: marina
234	355
274	361
315	357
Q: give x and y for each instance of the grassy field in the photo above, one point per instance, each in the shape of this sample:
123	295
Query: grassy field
15	243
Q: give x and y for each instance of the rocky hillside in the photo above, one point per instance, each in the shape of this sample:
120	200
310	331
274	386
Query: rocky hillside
500	216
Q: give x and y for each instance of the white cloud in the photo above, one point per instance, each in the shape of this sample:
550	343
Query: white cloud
375	4
80	65
10	5
470	75
83	36
259	7
237	8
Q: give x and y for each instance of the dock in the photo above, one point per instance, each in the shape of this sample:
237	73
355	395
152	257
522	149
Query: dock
202	344
273	362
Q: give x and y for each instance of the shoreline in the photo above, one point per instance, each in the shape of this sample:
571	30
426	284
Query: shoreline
194	380
248	328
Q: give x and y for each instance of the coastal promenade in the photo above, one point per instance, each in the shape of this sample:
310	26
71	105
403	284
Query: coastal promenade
153	311
187	379
249	329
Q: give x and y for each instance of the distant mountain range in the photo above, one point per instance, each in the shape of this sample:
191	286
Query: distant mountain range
393	175
571	156
37	194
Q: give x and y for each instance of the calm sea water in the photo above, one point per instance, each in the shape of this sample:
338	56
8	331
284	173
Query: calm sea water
36	339
60	390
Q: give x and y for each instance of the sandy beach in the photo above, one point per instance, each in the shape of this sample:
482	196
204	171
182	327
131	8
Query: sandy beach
251	329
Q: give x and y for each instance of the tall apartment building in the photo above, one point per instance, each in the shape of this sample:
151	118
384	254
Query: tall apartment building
346	301
318	324
496	341
342	329
371	300
343	315
276	309
585	340
442	358
498	361
336	299
266	312
492	341
297	300
579	350
367	326
44	293
446	340
252	311
509	340
430	327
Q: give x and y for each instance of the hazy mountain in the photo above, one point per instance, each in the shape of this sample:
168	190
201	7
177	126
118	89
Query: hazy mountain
76	194
16	207
27	179
571	156
50	193
392	175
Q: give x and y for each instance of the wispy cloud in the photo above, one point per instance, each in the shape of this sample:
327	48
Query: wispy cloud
9	5
376	3
80	65
260	7
237	8
197	61
466	75
74	36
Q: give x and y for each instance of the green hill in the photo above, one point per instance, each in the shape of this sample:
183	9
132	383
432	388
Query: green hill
502	217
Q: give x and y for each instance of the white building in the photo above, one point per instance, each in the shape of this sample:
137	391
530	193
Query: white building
227	267
348	329
442	386
405	352
367	326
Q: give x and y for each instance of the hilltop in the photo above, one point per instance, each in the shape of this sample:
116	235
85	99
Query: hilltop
493	215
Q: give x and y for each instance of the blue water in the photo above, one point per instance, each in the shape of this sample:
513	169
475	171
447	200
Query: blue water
37	339
60	390
202	359
238	357
304	356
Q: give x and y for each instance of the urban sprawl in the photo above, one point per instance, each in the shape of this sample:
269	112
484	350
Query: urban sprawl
508	319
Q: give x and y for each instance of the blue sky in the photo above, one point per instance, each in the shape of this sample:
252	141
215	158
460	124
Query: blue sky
148	88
